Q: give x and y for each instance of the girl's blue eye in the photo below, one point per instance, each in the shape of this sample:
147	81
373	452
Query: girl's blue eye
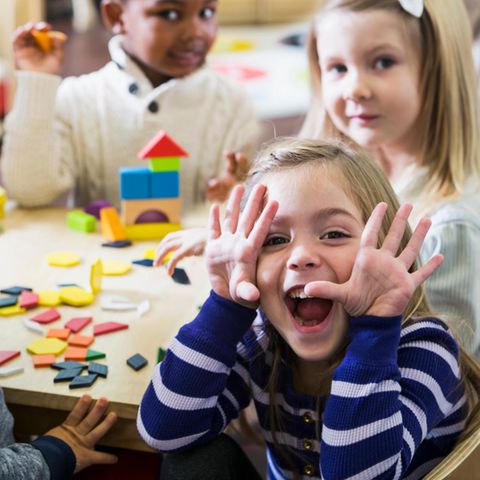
384	63
339	68
334	235
272	241
208	13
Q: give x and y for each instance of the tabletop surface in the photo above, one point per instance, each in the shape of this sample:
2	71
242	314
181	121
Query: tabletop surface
28	237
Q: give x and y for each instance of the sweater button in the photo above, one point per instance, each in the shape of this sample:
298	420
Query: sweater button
308	470
307	444
307	418
133	88
153	107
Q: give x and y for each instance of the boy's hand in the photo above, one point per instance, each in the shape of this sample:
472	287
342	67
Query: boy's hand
234	171
234	245
181	244
83	429
32	54
380	283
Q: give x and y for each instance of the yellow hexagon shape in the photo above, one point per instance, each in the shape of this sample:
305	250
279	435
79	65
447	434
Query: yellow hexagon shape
96	274
44	346
76	296
116	267
12	310
49	298
63	259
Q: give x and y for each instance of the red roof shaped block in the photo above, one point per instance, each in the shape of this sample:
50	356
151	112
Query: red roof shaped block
161	146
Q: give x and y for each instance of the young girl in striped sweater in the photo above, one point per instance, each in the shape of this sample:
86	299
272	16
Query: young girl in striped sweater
350	374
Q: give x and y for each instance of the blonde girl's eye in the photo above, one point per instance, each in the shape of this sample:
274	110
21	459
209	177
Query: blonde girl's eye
208	13
337	68
275	240
334	235
384	63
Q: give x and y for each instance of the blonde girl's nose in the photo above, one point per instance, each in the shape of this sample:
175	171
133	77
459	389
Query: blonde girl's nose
302	257
357	87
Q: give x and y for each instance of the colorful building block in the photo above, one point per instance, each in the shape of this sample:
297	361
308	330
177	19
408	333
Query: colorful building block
117	244
68	365
8	301
137	361
3	201
81	340
47	316
81	221
44	346
96	275
111	225
135	183
94	355
164	184
132	209
28	299
67	374
115	267
78	323
160	354
164	164
145	262
15	290
63	259
150	231
76	296
44	38
180	276
43	360
94	207
108	327
83	381
7	355
61	333
49	298
161	145
8	371
75	353
33	326
98	369
13	310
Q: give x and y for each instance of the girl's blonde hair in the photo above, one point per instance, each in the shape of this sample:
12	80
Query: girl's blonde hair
366	185
450	148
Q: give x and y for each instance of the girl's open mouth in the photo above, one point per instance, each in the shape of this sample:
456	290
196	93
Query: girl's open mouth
307	311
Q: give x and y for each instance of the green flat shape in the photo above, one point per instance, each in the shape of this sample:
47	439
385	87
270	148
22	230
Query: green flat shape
164	164
160	355
81	221
94	355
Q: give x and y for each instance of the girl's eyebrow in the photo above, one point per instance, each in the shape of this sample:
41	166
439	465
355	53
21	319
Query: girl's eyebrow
319	215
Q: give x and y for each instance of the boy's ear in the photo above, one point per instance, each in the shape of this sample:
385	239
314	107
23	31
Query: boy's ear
112	11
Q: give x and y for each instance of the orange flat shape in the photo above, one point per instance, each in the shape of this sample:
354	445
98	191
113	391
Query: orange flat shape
111	225
43	360
61	333
81	340
44	38
75	353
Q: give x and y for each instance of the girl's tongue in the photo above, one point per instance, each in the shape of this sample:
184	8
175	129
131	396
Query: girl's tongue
312	311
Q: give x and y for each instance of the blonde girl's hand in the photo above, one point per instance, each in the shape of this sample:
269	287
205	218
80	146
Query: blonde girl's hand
83	428
181	244
380	283
234	245
30	56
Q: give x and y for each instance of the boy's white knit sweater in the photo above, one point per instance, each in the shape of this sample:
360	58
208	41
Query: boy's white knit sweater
77	133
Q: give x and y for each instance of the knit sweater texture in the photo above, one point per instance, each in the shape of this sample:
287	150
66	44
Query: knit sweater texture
77	133
395	408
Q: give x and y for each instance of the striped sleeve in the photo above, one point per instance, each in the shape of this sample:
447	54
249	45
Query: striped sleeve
391	392
198	387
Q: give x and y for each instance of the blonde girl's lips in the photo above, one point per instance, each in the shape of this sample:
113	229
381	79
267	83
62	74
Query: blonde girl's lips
312	326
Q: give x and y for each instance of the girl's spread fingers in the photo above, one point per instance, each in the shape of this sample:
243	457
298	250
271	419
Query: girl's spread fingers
176	257
420	275
214	229
262	226
233	210
330	291
372	227
247	291
397	229
252	209
78	412
414	245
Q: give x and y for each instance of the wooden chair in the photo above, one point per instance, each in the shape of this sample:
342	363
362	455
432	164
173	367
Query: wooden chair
464	461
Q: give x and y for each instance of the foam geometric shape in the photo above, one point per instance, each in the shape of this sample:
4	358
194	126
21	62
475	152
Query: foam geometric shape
161	145
180	276
44	346
112	228
63	259
28	299
164	184
8	371
67	374
76	296
49	298
8	301
44	38
83	381
13	310
150	253
117	244
135	183
145	262
75	353
96	274
160	354
68	365
164	164
94	355
7	355
151	231
98	369
81	340
33	326
108	327
61	333
170	207
43	360
137	361
115	267
48	316
81	221
76	324
15	290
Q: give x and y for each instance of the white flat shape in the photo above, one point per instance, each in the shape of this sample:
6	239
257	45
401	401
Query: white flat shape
7	371
143	308
33	326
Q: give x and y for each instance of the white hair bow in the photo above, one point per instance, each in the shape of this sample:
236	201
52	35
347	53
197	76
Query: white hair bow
413	7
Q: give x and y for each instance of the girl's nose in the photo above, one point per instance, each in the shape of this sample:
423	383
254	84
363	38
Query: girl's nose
192	28
357	87
302	257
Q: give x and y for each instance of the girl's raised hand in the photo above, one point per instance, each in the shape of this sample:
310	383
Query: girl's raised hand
380	283
233	245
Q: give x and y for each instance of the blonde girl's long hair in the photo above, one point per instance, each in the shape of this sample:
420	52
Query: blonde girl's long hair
450	147
366	185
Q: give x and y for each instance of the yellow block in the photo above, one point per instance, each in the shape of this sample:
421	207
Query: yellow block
96	274
49	298
76	296
44	346
3	200
44	39
63	259
12	310
115	267
150	231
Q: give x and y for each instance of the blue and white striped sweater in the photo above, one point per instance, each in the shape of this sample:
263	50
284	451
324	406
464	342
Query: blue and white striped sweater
395	395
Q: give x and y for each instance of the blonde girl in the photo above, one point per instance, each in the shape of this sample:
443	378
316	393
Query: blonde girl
397	78
350	374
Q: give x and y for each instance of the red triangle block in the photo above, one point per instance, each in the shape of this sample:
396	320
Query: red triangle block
6	356
46	317
161	145
28	299
108	327
78	323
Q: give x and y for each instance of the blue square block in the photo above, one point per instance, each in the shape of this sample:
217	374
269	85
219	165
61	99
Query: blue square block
165	184
134	183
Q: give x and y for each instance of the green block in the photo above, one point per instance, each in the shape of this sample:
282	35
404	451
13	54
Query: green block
164	164
84	222
160	355
94	355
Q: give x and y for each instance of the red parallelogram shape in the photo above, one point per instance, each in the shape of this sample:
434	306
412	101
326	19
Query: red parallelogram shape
6	356
108	327
78	323
46	317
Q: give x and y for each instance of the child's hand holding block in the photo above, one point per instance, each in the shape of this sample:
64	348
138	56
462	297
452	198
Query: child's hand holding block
45	38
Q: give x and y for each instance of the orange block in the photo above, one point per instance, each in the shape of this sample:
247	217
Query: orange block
132	209
111	225
43	360
61	333
75	353
81	340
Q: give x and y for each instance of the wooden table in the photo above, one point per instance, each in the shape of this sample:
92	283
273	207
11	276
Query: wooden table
35	401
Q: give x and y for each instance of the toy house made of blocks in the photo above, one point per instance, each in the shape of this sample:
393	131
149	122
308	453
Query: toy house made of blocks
150	196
